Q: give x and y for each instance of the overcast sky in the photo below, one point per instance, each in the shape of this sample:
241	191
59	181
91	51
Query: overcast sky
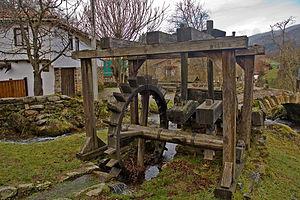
246	17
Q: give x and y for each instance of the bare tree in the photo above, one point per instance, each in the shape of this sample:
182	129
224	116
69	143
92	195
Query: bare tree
41	33
288	55
124	19
190	13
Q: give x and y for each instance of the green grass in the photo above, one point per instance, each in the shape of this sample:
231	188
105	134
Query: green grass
46	161
185	177
281	160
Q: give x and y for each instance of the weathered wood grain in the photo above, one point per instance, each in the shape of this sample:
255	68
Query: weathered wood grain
178	47
229	107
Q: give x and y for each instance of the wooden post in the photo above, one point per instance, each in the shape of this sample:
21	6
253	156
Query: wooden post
134	105
229	112
210	79
144	122
92	141
184	76
247	63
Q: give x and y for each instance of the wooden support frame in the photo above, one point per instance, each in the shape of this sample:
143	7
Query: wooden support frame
228	48
92	142
247	63
229	111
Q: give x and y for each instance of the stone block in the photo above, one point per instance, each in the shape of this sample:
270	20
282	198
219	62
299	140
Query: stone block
41	99
101	188
29	99
7	192
25	189
41	122
103	176
37	107
53	98
65	97
30	113
43	186
258	118
42	116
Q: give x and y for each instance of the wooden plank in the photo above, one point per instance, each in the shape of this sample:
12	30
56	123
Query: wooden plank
245	128
184	76
227	176
229	106
111	163
178	47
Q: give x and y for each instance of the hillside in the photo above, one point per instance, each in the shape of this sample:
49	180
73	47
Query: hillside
293	33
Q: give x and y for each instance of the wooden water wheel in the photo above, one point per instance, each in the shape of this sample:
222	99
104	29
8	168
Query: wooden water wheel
127	100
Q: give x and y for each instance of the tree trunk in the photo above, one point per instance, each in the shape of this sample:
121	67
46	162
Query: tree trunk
38	84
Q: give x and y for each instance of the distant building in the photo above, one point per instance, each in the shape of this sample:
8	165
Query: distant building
63	76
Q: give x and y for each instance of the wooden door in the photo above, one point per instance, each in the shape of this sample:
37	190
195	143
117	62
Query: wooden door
68	81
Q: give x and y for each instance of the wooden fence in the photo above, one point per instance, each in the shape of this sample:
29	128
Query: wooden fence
13	88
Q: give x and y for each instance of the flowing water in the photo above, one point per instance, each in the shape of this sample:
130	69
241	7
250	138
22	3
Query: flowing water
153	170
293	125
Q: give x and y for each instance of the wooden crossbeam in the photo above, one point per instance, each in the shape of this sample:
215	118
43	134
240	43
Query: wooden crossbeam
224	43
251	51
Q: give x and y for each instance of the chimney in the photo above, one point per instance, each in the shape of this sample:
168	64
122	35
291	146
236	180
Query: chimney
209	25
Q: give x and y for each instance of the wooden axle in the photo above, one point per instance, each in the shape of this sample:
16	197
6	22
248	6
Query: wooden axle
180	137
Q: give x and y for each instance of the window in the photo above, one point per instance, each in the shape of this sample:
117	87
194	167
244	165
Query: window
18	38
77	44
71	42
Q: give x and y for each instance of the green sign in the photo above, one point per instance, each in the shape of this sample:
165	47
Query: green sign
107	68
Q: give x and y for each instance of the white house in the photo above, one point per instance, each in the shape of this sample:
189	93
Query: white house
63	76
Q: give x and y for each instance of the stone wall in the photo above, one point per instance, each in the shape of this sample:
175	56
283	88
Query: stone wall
43	115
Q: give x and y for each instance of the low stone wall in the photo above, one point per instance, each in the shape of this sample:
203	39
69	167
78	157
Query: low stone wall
41	116
268	103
